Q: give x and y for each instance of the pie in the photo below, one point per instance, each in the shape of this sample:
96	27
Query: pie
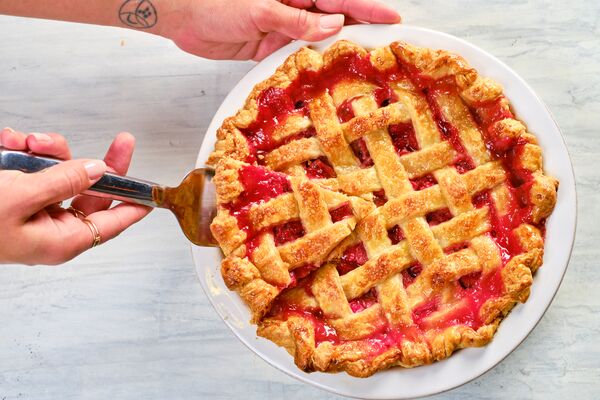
378	208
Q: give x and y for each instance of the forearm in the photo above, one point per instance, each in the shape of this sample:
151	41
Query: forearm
148	15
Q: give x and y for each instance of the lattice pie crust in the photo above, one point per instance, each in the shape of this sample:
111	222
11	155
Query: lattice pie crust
378	208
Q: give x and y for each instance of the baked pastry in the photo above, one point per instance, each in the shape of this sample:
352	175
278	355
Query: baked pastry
275	229
444	195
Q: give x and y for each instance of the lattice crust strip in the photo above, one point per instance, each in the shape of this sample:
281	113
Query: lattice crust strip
447	195
258	263
395	306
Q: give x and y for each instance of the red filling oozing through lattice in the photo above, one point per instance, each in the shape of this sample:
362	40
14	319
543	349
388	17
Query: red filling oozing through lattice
385	95
319	168
410	274
288	232
363	302
396	234
403	138
259	185
438	216
344	111
472	290
300	273
341	212
353	257
276	104
423	182
486	115
379	198
359	148
456	247
503	225
323	332
449	132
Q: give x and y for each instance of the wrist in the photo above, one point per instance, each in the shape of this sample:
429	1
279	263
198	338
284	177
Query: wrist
158	17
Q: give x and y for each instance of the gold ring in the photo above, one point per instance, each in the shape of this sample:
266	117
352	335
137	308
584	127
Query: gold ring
95	232
76	213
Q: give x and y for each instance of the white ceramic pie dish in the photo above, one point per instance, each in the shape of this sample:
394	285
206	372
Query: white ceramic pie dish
466	364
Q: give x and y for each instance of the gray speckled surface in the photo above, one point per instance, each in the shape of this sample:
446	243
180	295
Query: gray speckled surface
128	320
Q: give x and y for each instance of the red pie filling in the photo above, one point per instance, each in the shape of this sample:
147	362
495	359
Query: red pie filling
463	161
319	168
456	247
363	302
359	147
273	106
301	273
323	332
353	257
424	310
395	234
276	104
502	226
379	198
472	290
410	274
423	182
259	185
341	212
403	138
385	95
344	111
486	115
288	232
439	216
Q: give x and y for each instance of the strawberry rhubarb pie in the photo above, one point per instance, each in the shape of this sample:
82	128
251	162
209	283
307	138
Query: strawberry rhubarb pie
378	208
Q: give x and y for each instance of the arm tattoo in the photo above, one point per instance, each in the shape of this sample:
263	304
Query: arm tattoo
139	14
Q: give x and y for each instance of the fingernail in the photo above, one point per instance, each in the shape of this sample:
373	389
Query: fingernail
332	21
95	169
11	130
42	138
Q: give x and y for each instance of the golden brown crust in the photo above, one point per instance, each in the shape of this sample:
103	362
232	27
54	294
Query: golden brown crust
260	277
325	243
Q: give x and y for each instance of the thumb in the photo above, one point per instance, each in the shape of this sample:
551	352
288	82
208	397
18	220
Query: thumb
297	23
60	182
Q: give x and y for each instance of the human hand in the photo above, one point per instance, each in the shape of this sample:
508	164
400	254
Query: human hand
253	29
35	229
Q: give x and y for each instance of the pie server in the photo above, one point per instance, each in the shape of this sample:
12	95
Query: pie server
193	202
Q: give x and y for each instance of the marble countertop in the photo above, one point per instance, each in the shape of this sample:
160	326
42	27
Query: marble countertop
129	320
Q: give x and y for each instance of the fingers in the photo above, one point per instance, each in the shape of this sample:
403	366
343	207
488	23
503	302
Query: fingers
12	139
118	156
109	223
271	42
48	144
295	23
112	222
66	236
117	159
361	10
57	183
